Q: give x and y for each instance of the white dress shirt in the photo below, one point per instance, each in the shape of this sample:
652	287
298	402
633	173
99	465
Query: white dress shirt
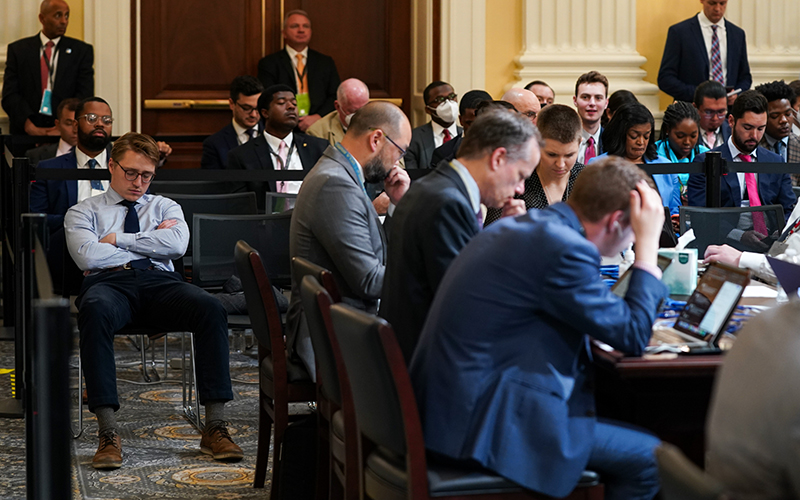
722	35
438	133
292	161
85	189
63	148
585	142
54	61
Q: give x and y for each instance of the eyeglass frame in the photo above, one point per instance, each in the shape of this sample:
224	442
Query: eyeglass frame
452	96
106	119
711	114
250	111
529	114
137	174
402	151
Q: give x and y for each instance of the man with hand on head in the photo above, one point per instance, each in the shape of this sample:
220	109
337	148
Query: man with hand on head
441	103
124	239
244	127
442	211
503	373
334	224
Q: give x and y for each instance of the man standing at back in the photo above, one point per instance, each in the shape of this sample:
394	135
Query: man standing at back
245	125
334	223
591	100
441	103
442	211
525	101
704	47
311	75
44	69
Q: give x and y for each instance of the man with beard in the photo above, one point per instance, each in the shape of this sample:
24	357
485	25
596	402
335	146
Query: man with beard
278	148
748	121
334	223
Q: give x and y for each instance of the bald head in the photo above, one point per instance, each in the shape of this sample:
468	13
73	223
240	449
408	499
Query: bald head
351	96
525	101
379	115
54	16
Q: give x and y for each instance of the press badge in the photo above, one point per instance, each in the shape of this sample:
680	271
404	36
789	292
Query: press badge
46	108
303	104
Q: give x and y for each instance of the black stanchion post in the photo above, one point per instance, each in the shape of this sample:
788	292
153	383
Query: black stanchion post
715	167
52	343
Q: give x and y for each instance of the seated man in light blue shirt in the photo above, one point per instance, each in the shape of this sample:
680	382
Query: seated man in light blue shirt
123	240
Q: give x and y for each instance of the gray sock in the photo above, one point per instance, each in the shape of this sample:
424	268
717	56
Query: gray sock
106	420
215	411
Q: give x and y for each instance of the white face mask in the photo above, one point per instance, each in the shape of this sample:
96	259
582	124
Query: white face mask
347	119
447	111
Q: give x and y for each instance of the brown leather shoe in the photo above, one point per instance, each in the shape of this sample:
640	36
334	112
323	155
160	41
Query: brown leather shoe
218	443
109	453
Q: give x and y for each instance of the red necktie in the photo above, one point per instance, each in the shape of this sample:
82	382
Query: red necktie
45	63
752	193
447	136
590	151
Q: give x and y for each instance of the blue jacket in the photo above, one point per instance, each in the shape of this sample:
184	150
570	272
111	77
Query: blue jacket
773	189
54	197
685	64
503	372
669	186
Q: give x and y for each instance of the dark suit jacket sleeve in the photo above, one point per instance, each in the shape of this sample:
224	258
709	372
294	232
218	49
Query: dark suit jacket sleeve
744	80
85	80
450	231
268	71
331	78
14	103
668	80
210	158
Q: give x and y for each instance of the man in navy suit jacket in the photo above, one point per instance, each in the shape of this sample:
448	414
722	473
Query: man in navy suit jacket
441	212
503	371
278	107
319	72
686	60
748	121
22	83
245	125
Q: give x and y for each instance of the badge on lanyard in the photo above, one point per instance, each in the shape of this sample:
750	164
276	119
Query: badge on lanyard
303	104
46	108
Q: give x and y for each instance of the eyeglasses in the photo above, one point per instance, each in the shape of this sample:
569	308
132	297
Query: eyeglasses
247	109
402	151
718	114
440	99
92	118
529	114
132	175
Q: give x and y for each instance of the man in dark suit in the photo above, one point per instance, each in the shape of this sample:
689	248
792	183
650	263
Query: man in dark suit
441	212
311	75
245	125
778	136
466	115
278	148
441	102
704	47
503	372
44	69
334	223
748	120
67	128
591	100
712	105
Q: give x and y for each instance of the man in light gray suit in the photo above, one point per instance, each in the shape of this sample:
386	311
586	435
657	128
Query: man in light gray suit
334	223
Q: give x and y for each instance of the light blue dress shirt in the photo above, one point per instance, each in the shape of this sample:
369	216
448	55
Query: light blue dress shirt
95	218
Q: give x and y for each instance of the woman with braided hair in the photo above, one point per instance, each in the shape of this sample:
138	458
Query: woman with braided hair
680	134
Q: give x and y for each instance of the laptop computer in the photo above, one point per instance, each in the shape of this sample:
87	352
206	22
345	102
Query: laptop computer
620	288
705	316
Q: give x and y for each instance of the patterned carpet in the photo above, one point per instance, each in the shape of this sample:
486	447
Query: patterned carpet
160	448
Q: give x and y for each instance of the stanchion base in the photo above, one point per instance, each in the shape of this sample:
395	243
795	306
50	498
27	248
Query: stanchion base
7	333
11	408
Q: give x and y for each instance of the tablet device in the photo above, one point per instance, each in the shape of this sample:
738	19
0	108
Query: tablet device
620	288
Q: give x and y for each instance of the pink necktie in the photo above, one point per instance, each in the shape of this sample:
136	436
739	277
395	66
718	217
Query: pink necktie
590	151
282	156
752	193
45	63
711	140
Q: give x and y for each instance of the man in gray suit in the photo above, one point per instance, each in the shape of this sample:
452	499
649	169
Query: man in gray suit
334	223
441	102
67	128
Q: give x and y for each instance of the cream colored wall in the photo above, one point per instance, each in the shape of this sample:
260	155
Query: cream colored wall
653	19
75	28
503	43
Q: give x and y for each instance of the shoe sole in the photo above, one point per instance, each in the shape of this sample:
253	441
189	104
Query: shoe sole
107	465
230	456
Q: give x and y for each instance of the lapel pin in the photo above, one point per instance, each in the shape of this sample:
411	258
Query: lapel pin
304	144
69	51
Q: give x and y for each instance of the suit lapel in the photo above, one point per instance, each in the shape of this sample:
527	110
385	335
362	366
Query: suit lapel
302	151
697	35
289	67
71	161
427	140
230	137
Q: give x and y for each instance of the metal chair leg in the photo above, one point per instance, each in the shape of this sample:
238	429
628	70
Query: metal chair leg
80	403
191	409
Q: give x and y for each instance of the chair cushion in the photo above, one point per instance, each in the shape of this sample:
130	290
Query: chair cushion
296	371
385	477
337	436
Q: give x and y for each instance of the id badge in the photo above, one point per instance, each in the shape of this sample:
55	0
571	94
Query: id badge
303	104
45	108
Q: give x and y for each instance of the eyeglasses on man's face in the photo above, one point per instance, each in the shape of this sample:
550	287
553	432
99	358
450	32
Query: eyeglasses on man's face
247	109
402	151
132	175
442	98
92	118
710	113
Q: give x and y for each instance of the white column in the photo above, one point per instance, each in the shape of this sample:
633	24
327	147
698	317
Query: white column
564	39
17	20
107	28
772	28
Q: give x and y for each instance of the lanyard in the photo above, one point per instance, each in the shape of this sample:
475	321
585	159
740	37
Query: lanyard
280	160
353	164
50	63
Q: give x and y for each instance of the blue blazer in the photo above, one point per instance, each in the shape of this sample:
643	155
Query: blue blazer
503	371
668	185
685	64
430	226
54	197
217	146
773	189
